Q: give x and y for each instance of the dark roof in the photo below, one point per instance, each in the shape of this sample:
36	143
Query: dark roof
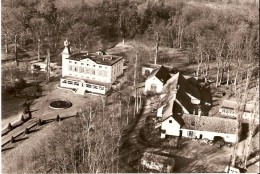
161	73
99	59
86	80
177	110
211	124
185	100
180	94
234	105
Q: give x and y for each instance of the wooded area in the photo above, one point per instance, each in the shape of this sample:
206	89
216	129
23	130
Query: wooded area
227	35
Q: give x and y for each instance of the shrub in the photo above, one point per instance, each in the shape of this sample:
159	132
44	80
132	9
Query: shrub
58	119
39	122
22	118
26	131
12	140
10	127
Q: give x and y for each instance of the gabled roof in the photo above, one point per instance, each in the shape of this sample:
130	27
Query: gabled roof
211	124
185	100
177	87
161	73
174	110
179	79
229	104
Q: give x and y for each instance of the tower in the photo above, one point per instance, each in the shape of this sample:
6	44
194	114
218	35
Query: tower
65	54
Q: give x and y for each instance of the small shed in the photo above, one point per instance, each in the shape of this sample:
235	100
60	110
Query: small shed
161	163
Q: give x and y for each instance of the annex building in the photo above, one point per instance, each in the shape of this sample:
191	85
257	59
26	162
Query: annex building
89	72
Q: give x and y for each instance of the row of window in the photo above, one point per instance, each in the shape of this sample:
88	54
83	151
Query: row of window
227	111
88	64
87	85
88	71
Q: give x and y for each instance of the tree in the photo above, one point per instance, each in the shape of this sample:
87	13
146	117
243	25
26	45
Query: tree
154	32
38	27
128	22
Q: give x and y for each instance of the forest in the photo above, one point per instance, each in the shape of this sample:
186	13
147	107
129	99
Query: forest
227	34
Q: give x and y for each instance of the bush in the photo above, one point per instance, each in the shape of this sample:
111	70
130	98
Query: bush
20	83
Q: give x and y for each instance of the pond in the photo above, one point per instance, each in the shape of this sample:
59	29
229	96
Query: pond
60	104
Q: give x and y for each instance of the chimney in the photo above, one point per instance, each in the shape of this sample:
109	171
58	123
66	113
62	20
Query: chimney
199	113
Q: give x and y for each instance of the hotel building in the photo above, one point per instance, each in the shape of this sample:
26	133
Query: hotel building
89	72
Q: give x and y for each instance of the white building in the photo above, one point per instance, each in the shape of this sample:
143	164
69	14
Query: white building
89	72
199	127
179	114
228	109
156	80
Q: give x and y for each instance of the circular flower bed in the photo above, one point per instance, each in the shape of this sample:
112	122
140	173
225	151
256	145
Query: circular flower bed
59	104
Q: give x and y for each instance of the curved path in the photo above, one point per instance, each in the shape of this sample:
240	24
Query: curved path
135	145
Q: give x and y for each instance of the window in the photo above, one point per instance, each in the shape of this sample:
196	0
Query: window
87	64
94	65
70	68
76	69
75	62
95	87
99	72
88	85
101	87
76	83
69	82
87	70
64	81
93	71
153	88
100	66
170	121
81	69
69	61
190	133
82	63
105	73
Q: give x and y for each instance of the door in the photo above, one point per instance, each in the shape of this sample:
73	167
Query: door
180	134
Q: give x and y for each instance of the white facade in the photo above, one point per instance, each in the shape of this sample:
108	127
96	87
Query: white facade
153	84
208	135
172	128
94	74
89	69
231	113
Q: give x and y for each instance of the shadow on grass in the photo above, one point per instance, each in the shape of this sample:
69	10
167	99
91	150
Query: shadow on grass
21	139
34	130
181	162
5	149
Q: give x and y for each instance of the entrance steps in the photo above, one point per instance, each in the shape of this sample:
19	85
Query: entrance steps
80	91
